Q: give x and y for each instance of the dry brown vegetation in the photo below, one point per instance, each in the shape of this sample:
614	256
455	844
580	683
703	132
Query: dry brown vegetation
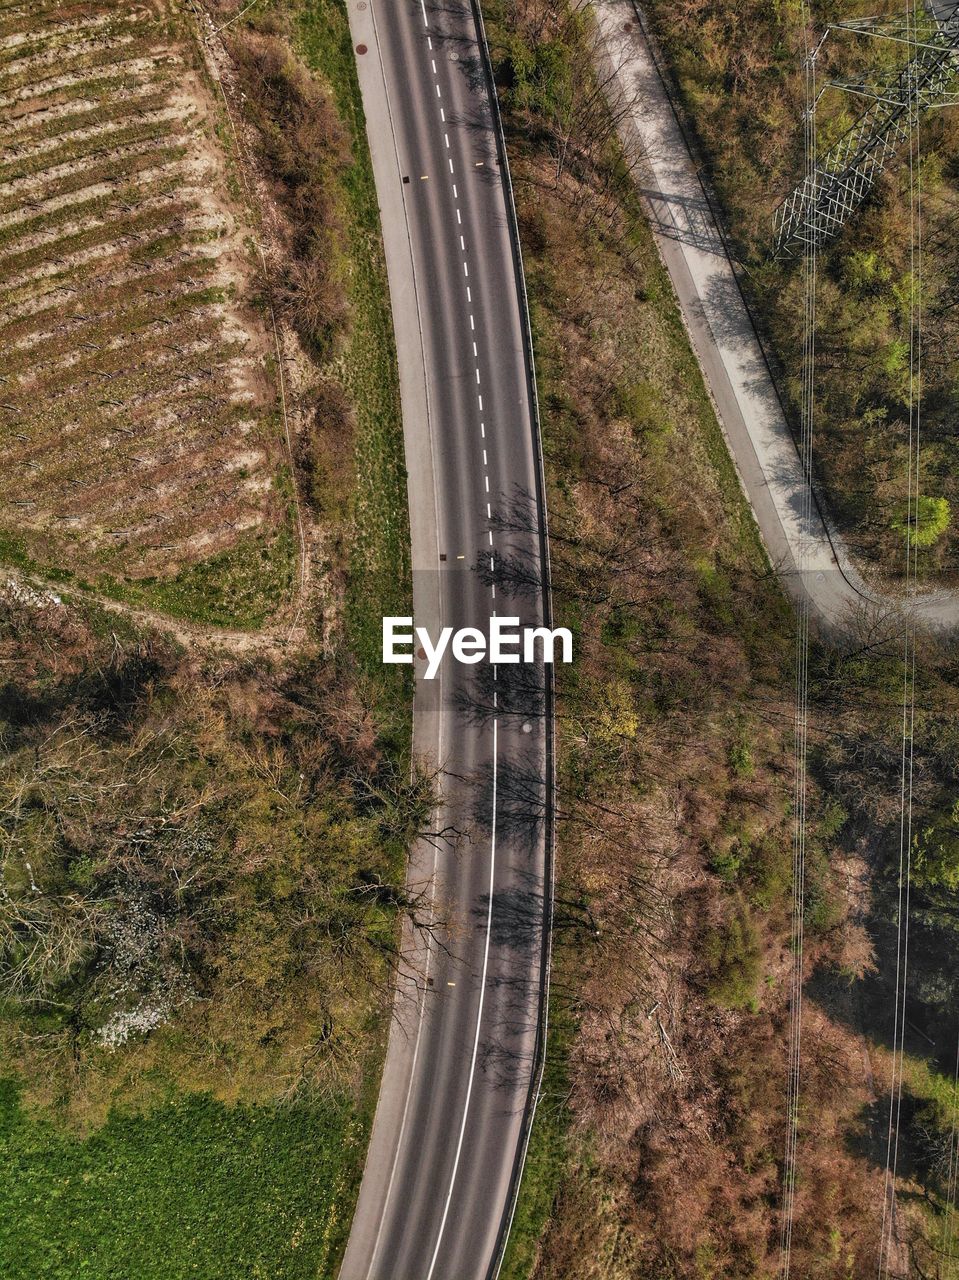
140	419
659	1153
302	146
196	854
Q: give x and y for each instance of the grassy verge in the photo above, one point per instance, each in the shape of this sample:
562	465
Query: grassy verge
547	1158
379	559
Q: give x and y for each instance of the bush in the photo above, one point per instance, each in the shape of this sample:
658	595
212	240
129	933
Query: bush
302	147
927	522
770	871
741	759
733	956
936	859
323	450
642	405
727	862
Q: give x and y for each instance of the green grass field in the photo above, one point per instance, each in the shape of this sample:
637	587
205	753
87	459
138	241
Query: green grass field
192	1189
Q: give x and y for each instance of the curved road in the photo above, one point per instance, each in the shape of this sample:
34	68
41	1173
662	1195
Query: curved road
459	1078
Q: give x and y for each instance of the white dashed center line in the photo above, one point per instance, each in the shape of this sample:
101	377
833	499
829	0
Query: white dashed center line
466	269
489	517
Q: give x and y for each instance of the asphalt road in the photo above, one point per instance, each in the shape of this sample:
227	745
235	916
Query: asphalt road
459	1075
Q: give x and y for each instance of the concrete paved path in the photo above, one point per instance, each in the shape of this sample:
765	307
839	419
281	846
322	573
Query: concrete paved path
799	539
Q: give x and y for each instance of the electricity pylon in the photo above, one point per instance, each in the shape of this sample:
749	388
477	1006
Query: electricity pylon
826	199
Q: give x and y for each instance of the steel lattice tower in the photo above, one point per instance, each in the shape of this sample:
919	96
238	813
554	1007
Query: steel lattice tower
824	201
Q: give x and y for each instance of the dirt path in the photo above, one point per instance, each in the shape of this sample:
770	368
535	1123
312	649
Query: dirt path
277	640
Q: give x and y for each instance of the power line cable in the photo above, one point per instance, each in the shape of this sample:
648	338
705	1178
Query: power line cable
794	1052
887	1230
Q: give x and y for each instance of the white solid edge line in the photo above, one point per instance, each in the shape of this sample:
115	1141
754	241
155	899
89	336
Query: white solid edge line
479	1017
429	956
406	1107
